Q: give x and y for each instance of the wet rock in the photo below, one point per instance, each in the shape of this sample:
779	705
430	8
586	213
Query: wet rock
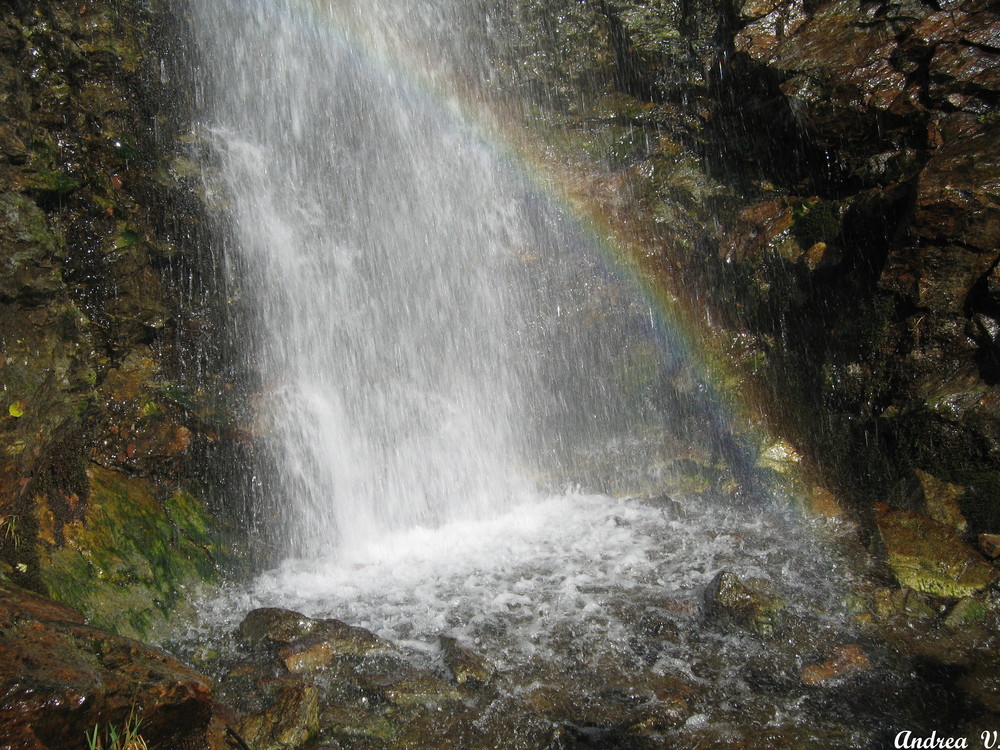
981	686
330	640
780	457
121	556
754	604
406	686
966	611
290	718
641	709
29	267
903	603
990	545
83	211
354	724
941	500
271	626
957	201
929	557
842	661
60	677
467	667
305	644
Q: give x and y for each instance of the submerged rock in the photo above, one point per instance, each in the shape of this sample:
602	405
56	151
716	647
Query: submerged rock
930	557
754	604
842	661
467	667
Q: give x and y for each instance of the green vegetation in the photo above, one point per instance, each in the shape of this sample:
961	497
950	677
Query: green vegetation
127	739
8	530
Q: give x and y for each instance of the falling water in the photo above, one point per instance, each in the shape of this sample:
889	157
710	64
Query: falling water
398	280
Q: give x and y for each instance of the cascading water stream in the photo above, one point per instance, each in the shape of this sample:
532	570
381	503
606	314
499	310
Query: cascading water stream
375	242
387	263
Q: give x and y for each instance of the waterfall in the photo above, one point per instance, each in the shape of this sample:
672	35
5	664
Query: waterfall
451	373
393	270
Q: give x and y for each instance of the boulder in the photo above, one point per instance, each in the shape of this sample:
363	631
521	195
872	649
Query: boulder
290	718
930	557
753	605
305	644
60	678
942	500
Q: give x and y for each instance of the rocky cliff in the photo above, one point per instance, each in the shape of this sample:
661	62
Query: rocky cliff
820	180
100	420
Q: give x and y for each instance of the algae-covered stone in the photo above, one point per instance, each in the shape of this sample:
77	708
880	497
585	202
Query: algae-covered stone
930	557
123	561
29	268
966	611
291	717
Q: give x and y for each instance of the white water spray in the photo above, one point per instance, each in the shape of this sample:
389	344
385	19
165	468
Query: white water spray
387	263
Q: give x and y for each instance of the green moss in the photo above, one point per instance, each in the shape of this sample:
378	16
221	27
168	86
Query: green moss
929	557
816	221
125	238
127	563
988	118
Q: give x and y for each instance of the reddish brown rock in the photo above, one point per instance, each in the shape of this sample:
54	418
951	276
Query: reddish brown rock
842	661
59	678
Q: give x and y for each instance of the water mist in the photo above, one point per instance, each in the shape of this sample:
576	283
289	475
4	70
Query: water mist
395	273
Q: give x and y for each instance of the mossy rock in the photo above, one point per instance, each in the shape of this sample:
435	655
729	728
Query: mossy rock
930	557
28	251
126	562
753	604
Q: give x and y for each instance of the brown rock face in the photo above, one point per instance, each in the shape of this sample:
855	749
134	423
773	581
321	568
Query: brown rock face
89	313
59	678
